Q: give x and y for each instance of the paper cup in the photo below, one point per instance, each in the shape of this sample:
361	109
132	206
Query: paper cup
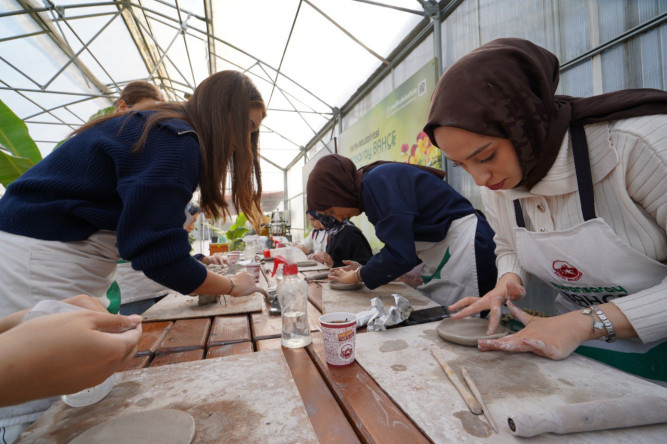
233	257
253	268
339	331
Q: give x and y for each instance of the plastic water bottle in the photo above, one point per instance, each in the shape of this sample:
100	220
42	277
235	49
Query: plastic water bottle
293	298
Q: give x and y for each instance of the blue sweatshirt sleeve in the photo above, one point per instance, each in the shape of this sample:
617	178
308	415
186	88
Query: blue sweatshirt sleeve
393	219
154	189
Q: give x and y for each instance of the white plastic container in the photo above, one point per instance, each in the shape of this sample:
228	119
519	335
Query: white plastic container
293	298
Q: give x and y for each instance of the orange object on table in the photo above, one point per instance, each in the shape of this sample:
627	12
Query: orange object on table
218	248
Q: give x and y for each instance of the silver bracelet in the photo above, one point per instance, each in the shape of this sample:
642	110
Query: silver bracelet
611	333
597	325
357	274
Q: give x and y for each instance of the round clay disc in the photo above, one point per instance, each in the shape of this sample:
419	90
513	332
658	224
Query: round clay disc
467	331
345	287
166	426
306	264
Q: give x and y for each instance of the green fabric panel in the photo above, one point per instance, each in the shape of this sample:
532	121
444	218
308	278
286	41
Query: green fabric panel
651	365
436	275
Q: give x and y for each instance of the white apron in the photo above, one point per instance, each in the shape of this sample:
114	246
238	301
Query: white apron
589	264
450	268
34	270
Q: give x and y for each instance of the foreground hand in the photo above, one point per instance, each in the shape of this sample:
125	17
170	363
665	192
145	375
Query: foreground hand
323	258
82	300
349	265
244	284
508	288
343	276
555	338
64	353
87	302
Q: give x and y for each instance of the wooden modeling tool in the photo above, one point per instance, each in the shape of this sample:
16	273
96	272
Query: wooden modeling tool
470	400
478	395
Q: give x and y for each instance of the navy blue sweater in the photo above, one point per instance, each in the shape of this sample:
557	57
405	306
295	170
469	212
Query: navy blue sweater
407	204
95	182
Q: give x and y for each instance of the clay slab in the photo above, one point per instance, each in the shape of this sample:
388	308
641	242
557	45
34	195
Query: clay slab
166	426
468	331
345	287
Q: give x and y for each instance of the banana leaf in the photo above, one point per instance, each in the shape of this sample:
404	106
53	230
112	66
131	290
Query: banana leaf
15	138
12	167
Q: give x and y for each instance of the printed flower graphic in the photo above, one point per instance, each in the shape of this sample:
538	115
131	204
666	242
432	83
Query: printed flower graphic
421	153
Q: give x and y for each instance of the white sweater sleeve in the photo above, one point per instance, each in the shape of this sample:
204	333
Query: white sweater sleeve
645	159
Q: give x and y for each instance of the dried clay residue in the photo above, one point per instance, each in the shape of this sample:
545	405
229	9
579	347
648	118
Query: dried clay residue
490	371
393	345
473	424
234	420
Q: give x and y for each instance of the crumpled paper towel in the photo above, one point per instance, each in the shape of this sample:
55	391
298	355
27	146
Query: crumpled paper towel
378	318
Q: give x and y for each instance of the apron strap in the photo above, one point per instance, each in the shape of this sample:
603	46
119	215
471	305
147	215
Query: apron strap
582	166
518	213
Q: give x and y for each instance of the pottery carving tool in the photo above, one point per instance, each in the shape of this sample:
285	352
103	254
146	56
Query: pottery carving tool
603	414
478	395
470	400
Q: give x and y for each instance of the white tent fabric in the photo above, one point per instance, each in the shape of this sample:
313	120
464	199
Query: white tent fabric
63	60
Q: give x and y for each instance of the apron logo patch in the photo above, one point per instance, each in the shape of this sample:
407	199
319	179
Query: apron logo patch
566	271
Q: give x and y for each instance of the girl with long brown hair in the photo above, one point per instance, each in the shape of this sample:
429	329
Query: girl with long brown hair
119	188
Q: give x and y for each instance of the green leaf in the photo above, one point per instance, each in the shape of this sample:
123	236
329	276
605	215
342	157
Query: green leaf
240	222
14	136
103	112
12	167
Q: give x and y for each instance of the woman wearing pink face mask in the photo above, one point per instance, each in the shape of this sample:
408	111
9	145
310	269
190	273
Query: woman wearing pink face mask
574	189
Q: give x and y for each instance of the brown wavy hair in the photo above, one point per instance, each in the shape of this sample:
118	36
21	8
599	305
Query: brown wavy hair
135	92
218	112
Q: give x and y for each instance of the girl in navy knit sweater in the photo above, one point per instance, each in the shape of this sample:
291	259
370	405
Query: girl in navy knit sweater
117	189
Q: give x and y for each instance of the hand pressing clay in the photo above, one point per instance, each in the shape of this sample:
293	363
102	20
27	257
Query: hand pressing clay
467	331
166	426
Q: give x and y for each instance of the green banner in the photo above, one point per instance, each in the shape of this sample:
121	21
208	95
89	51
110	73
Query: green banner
392	130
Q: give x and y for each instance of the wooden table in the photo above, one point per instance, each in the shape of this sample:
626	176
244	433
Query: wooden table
342	404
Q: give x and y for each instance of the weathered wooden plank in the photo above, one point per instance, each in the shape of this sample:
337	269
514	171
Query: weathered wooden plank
229	329
185	334
238	348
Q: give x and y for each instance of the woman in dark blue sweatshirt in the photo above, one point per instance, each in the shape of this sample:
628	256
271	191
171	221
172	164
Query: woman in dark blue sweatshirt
118	188
418	216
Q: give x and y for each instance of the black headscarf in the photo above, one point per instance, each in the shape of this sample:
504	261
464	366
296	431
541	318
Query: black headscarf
506	88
